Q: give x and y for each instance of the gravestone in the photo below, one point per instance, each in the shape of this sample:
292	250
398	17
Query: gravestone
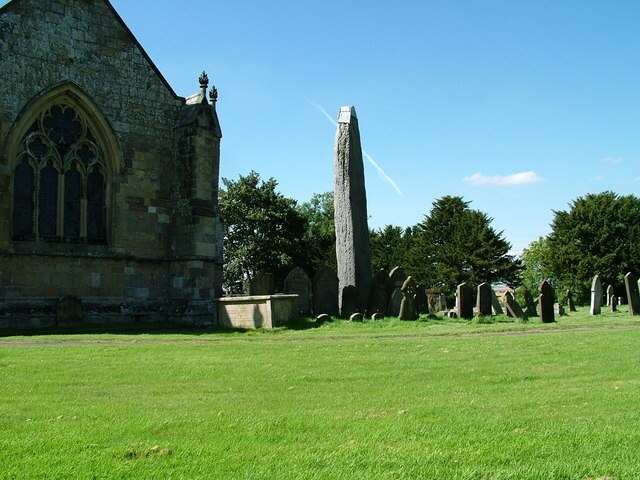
396	279
613	303
483	302
407	306
596	296
353	250
610	293
356	317
298	283
513	307
546	302
558	309
420	299
633	296
379	297
325	292
464	303
495	304
570	303
322	319
377	316
530	303
349	301
262	284
443	302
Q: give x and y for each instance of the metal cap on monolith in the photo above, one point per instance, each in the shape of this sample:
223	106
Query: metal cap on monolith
350	207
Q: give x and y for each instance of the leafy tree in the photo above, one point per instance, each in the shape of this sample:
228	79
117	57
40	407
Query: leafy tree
390	246
535	265
457	244
264	231
320	235
600	234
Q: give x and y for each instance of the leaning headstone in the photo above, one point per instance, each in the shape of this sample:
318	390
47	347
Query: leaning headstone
546	300
379	297
570	303
530	304
596	296
298	283
407	306
356	317
420	299
325	292
464	306
483	302
633	296
610	293
513	307
396	279
349	299
353	250
262	284
495	304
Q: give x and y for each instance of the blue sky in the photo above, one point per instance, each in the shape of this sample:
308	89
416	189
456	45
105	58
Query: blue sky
520	107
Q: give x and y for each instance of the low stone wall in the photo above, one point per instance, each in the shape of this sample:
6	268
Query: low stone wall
263	311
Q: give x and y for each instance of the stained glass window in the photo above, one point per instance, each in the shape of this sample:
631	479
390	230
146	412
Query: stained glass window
72	196
23	201
48	202
60	140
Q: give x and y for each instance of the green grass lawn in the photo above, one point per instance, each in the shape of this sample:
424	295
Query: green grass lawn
440	399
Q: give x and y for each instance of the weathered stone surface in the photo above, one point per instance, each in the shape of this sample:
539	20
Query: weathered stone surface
513	307
377	316
261	311
613	303
530	304
325	292
379	297
610	292
69	310
558	309
464	304
483	301
495	304
407	307
396	279
262	284
546	302
349	301
596	296
420	299
633	295
298	283
452	314
356	317
157	153
323	318
350	208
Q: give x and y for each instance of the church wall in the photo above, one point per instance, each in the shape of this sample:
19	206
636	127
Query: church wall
46	43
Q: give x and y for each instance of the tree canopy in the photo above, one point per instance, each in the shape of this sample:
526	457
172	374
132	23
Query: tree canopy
599	234
390	246
264	231
457	244
320	234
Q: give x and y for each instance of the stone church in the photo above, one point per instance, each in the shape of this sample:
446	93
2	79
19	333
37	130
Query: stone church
108	178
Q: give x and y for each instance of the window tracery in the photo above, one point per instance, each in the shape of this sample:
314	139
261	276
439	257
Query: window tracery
60	180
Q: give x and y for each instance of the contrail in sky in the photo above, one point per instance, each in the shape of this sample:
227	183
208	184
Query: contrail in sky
381	173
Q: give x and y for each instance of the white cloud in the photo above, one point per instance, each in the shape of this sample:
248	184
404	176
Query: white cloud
612	160
521	178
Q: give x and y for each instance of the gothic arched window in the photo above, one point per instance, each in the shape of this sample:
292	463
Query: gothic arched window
59	184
